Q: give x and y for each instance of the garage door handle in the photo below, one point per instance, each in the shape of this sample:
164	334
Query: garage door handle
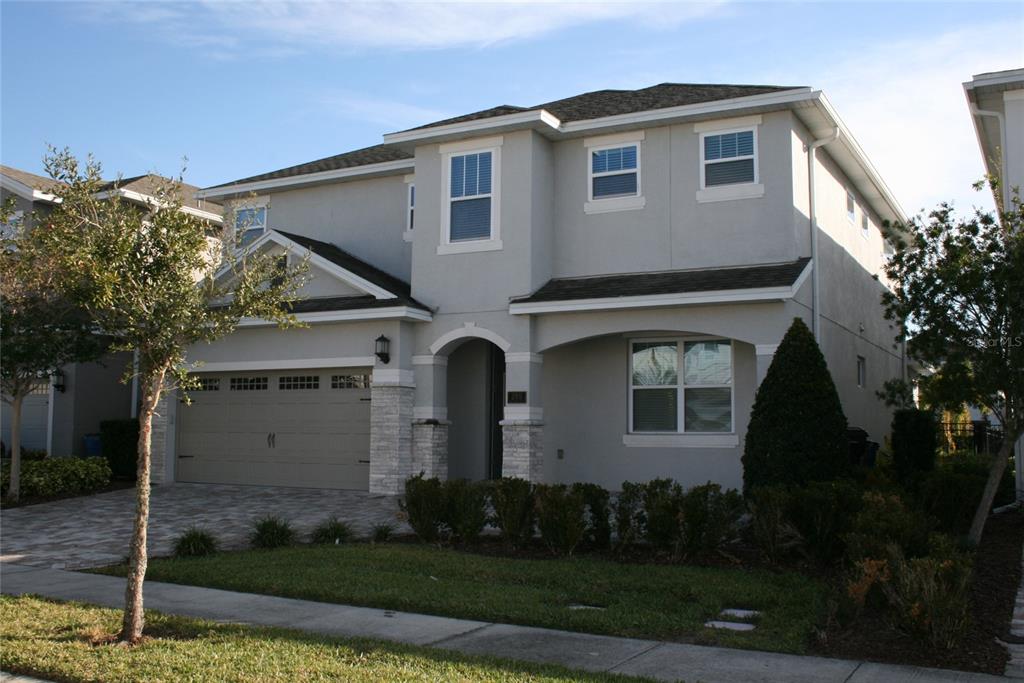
272	440
364	462
180	457
366	400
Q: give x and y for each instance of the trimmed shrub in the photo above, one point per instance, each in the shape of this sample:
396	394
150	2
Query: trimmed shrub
195	542
381	533
797	430
560	517
772	531
884	520
465	508
512	500
709	517
662	508
424	506
272	532
332	531
913	444
823	512
119	440
629	516
58	477
599	528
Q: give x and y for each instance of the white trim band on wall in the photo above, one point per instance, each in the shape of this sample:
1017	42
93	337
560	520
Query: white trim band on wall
430	412
766	349
297	364
396	378
430	360
524	357
523	413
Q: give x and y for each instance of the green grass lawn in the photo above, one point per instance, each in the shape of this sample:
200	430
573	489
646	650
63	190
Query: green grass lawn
641	601
58	641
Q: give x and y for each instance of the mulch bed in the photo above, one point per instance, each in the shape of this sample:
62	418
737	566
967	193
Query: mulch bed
997	575
115	485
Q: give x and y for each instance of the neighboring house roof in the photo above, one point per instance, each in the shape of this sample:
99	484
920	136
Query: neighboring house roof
149	184
774	281
377	154
36	182
358	267
600	103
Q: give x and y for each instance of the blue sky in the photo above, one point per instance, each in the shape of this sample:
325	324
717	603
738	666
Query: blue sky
243	88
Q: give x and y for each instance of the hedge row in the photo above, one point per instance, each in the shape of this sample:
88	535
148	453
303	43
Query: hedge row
58	477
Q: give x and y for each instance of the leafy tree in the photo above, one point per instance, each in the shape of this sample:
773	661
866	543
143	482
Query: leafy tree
958	291
797	431
158	280
40	330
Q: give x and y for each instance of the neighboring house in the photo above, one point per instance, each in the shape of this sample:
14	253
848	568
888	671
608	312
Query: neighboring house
996	103
586	290
68	406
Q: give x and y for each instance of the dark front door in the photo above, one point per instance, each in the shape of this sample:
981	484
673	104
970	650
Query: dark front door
496	410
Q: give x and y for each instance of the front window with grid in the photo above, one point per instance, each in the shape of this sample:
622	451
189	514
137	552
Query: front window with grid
470	196
297	382
41	388
729	158
208	384
681	386
614	172
350	381
251	222
248	384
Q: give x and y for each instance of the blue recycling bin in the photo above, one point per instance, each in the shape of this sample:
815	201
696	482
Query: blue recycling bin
92	446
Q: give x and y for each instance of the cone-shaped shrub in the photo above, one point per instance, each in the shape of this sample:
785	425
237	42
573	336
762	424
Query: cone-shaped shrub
797	430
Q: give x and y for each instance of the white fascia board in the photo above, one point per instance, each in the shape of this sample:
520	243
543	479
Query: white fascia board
535	117
150	200
406	313
995	78
727	296
383	168
655	300
26	192
334	269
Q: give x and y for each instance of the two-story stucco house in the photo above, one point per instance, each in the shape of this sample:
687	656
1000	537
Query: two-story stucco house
584	290
65	408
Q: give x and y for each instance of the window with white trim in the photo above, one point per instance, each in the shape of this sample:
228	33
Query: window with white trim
851	206
862	372
729	158
251	221
208	384
470	194
298	382
361	381
248	384
865	224
681	386
614	171
411	208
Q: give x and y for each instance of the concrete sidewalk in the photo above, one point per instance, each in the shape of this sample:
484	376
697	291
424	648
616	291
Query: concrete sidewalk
662	661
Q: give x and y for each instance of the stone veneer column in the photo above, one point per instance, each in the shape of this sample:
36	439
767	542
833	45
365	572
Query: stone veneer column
430	448
391	400
522	444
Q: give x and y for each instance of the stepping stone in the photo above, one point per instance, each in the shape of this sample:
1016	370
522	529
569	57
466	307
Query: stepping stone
740	613
729	625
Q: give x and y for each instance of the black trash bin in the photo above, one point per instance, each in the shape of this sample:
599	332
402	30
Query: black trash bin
858	440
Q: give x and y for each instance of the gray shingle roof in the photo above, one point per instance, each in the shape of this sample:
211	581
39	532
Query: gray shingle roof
589	105
355	265
667	282
149	185
36	182
377	154
601	103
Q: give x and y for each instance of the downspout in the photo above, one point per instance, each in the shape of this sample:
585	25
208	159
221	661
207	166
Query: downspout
813	211
1002	144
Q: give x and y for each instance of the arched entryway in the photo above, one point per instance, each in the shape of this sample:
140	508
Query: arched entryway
475	399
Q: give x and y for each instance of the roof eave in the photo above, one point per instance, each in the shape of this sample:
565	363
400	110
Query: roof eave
233	191
540	120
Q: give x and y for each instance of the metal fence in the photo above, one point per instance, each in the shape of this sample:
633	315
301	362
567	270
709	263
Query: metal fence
978	437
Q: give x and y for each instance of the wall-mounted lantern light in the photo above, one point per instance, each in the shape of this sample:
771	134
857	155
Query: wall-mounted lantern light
383	349
58	380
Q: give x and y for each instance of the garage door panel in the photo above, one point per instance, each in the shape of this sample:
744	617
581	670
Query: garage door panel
321	436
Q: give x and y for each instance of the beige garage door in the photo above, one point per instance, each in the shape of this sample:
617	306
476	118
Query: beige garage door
307	428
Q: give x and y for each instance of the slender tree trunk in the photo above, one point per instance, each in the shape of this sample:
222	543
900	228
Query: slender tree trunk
995	475
14	488
134	617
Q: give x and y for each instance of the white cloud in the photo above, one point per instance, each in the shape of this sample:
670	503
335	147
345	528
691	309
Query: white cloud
905	104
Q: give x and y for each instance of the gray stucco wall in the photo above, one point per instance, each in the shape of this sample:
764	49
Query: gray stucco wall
586	415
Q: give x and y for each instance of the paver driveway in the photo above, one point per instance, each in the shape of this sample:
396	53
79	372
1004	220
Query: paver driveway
93	531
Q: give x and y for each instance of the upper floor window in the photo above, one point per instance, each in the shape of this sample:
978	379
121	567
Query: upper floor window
470	197
251	220
888	249
851	206
681	386
729	158
469	217
865	224
411	215
614	172
862	372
